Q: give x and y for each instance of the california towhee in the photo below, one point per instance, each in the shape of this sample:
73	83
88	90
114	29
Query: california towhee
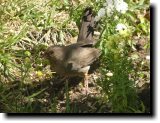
75	59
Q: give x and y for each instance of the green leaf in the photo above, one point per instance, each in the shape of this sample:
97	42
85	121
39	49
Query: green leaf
27	53
37	93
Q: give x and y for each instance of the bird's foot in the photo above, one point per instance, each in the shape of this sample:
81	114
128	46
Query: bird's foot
86	91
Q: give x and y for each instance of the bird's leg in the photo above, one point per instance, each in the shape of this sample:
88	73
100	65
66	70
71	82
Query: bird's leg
64	78
86	83
60	80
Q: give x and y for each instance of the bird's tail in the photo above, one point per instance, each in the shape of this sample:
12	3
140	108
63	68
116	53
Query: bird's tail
86	30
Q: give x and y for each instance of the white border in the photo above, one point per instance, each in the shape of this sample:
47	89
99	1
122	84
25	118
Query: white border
156	118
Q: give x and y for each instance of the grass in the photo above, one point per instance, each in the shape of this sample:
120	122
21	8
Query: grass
28	27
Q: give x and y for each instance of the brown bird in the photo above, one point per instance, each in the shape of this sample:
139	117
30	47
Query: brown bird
75	59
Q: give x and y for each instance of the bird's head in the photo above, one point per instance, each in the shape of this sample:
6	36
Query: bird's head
53	53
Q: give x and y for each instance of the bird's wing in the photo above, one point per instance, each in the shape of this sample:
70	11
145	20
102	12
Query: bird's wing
84	43
82	57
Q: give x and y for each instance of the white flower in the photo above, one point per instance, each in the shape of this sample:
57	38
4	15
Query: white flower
101	13
121	6
148	57
120	27
109	2
110	11
109	74
109	6
97	18
116	17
